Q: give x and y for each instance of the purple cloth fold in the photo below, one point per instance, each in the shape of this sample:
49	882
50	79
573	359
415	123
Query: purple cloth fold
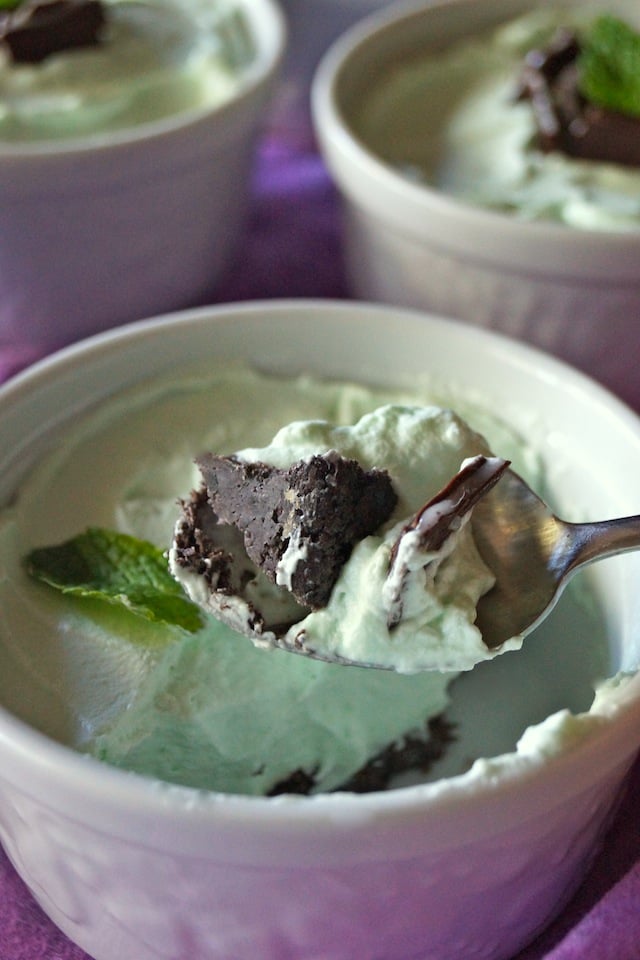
293	248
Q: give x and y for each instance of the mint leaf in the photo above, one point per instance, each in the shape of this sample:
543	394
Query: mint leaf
10	4
119	569
609	65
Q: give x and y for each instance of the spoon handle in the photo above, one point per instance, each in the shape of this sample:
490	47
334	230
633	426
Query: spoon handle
604	538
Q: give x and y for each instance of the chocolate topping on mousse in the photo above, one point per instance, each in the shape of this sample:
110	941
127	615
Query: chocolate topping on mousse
318	509
38	28
565	119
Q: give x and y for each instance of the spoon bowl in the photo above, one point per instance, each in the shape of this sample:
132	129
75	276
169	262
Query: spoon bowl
533	554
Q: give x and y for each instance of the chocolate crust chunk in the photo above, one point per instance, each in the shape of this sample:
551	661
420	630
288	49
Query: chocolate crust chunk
197	546
38	28
315	511
415	753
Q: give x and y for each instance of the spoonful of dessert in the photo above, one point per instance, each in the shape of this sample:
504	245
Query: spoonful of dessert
409	600
397	542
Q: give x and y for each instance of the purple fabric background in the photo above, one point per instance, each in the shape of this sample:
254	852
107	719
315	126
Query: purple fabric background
292	248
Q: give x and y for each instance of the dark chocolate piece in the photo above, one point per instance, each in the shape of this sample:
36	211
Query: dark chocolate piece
565	119
436	522
320	508
38	28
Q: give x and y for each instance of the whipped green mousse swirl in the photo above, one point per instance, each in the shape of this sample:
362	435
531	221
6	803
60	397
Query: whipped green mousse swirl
154	59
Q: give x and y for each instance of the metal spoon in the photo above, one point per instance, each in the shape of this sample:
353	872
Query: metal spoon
533	555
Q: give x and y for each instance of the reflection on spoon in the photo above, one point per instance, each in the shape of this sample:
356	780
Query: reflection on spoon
533	554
